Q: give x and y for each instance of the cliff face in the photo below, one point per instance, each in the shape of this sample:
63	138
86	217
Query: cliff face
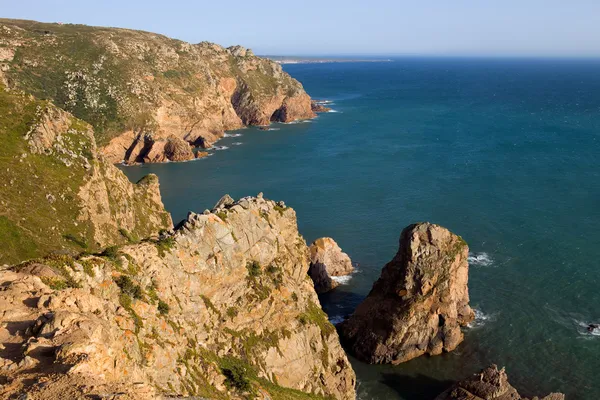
57	193
137	88
221	309
489	384
418	304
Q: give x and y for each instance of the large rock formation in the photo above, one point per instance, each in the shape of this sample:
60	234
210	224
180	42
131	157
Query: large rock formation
222	308
326	260
418	304
57	193
137	88
490	384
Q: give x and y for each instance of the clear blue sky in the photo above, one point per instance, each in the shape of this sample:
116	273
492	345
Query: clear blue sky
338	27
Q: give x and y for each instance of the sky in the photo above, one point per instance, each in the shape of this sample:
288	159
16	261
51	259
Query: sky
555	28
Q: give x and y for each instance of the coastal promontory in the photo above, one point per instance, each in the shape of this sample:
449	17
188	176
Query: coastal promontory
139	90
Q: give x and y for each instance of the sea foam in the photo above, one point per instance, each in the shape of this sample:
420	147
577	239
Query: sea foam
480	319
232	135
336	319
480	259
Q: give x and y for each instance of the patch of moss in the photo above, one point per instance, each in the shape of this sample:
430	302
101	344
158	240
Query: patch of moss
128	287
164	245
315	315
131	238
163	308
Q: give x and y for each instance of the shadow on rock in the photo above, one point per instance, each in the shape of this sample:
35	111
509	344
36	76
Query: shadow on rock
417	387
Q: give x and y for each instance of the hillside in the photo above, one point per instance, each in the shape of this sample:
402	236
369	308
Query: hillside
57	193
138	89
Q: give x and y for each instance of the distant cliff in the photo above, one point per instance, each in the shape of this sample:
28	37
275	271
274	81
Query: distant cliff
57	193
138	89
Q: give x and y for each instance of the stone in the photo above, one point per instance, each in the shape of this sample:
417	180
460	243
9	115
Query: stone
326	260
489	384
224	201
419	303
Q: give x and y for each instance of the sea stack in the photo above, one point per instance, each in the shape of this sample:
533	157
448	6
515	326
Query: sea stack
489	384
418	304
326	260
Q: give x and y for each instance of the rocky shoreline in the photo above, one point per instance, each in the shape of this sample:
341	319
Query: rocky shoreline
101	296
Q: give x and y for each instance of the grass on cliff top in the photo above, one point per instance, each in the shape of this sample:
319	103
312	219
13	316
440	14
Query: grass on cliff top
38	193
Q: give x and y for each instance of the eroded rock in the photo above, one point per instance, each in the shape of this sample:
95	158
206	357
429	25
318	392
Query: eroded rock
326	260
419	303
489	384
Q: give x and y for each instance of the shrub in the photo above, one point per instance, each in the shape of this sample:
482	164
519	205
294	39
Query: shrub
163	308
253	269
128	287
78	241
111	252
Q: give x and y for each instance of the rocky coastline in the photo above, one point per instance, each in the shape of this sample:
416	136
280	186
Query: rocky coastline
102	296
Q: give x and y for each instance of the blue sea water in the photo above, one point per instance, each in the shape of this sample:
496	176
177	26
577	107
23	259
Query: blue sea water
503	152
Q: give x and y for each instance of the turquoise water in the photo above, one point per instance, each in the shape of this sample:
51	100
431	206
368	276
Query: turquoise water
502	152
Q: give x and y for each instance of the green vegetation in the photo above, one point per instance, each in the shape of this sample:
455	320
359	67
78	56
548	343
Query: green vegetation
164	245
315	315
77	240
280	209
131	238
232	312
125	301
163	308
222	215
257	282
129	288
209	304
254	269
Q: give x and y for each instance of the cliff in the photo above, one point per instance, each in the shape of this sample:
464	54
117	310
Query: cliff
489	384
137	89
57	193
419	303
222	308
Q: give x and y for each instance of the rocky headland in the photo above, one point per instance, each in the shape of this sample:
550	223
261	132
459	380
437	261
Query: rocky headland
142	91
327	260
489	384
419	303
221	308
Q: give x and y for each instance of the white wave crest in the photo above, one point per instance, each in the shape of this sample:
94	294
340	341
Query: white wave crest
273	129
342	280
220	147
336	319
480	319
585	328
480	259
232	135
236	143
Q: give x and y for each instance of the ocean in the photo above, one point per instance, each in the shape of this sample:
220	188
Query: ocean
504	152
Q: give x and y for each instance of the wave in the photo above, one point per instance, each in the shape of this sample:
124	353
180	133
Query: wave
236	143
336	319
480	319
300	121
220	147
273	129
584	331
333	111
480	259
342	280
232	135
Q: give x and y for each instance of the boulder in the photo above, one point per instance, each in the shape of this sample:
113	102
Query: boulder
489	384
419	303
177	149
326	260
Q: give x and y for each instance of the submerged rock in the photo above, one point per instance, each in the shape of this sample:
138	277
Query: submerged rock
326	260
489	384
418	304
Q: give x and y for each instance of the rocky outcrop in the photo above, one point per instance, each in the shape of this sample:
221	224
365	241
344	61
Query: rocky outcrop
57	193
222	308
137	89
319	107
490	384
326	260
418	304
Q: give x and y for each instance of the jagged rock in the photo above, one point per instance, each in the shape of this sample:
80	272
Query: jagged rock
418	304
172	149
327	260
489	384
201	154
226	292
319	107
224	201
140	83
